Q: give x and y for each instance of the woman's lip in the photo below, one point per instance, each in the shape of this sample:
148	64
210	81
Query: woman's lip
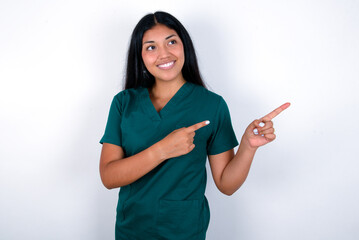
167	65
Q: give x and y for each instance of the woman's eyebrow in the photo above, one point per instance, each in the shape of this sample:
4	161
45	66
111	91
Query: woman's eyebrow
148	42
165	39
170	36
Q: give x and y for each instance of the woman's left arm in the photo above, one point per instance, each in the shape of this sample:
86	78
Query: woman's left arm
230	171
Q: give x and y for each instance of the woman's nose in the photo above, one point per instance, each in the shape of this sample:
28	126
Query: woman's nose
163	52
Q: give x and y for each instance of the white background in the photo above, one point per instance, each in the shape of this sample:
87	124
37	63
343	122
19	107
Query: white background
61	62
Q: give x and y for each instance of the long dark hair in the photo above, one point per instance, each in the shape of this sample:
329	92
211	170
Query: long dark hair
136	73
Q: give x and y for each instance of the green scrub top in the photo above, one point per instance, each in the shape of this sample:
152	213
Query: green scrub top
168	202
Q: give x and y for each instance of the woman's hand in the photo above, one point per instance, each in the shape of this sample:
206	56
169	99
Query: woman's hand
180	141
261	131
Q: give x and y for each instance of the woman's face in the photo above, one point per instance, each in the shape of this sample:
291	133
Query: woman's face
162	53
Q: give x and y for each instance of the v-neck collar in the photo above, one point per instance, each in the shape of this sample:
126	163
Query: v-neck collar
150	108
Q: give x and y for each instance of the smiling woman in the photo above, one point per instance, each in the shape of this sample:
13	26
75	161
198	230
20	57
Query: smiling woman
159	132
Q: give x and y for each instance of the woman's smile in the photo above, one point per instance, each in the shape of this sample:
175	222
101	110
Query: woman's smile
166	66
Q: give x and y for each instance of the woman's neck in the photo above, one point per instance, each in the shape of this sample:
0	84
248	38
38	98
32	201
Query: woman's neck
165	89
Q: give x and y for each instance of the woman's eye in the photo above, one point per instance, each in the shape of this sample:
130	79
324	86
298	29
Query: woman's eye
150	48
172	42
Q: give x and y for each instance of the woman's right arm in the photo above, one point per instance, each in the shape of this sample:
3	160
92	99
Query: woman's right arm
117	171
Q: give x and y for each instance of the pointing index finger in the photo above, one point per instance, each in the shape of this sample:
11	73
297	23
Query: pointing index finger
275	112
197	126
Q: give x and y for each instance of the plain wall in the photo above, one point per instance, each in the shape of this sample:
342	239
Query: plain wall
61	62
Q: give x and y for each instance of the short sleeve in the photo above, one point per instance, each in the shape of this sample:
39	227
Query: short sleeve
113	127
223	137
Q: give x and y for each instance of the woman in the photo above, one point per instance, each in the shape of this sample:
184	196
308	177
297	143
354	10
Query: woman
161	129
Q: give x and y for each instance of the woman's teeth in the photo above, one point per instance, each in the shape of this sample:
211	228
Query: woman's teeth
166	65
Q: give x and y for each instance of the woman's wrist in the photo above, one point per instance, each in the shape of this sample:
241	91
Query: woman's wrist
157	150
246	146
